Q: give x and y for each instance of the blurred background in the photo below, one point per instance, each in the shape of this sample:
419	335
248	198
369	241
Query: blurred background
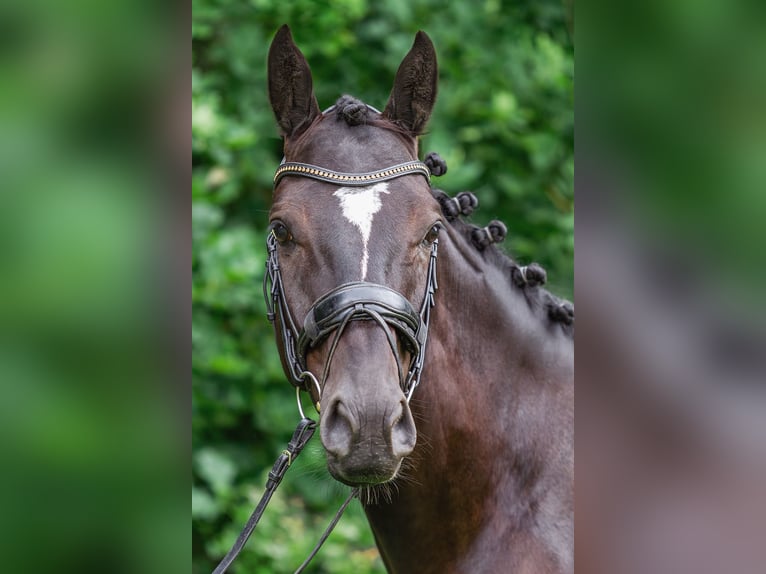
671	276
90	440
97	231
503	121
95	243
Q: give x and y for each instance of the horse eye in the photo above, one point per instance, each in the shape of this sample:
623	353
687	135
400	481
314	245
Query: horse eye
280	232
432	234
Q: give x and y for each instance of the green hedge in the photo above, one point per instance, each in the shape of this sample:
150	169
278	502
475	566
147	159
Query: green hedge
503	121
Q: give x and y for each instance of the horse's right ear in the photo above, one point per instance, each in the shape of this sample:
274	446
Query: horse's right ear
291	89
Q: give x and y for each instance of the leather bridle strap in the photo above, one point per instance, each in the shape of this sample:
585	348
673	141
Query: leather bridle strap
303	433
327	531
351	179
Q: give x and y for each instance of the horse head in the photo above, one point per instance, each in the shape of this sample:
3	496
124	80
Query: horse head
356	255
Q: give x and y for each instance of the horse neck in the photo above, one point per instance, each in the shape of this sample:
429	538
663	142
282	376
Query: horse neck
490	349
495	375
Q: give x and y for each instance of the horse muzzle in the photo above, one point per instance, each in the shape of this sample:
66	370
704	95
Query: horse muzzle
367	447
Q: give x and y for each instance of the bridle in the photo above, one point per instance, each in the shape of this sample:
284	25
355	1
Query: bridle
357	301
332	313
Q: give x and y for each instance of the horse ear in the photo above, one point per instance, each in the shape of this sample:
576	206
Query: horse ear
414	93
290	85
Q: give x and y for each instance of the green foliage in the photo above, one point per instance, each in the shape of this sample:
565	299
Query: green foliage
504	123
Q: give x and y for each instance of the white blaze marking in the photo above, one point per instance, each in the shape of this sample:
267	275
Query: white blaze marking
359	205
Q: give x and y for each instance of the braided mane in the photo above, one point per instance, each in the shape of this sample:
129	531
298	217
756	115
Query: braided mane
528	279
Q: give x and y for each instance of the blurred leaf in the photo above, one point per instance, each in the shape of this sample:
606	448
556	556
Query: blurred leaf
216	469
204	506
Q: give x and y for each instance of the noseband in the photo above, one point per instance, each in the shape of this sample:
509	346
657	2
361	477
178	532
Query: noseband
357	301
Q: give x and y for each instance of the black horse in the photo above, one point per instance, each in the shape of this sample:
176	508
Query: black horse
474	473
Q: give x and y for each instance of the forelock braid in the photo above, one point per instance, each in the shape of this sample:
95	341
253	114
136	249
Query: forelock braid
355	112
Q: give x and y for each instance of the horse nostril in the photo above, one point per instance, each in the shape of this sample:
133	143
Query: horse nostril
403	432
337	429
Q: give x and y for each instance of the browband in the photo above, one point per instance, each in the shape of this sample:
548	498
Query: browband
352	179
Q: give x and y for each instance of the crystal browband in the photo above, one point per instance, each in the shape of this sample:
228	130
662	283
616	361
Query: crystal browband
352	179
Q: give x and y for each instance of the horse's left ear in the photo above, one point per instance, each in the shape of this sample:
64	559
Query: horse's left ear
414	93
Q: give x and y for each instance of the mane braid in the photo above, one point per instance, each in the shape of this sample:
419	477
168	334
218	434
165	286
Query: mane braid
527	279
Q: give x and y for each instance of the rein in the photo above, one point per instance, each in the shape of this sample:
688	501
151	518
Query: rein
303	433
331	313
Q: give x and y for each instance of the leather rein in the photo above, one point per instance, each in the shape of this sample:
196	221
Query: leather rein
331	313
